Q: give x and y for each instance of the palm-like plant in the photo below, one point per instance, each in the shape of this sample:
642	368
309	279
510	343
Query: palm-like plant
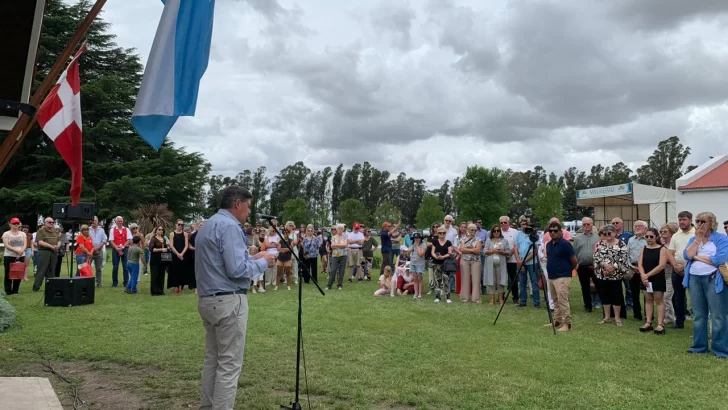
150	216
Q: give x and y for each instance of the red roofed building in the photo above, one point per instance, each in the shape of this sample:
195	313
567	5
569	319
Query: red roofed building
705	189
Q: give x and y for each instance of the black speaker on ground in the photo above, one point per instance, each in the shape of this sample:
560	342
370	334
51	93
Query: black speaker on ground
75	291
83	211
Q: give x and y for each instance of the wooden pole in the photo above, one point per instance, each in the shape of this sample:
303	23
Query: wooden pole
25	123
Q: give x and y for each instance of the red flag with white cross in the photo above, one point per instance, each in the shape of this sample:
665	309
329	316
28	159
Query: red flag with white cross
60	119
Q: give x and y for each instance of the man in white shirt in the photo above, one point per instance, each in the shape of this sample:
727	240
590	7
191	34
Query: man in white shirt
355	238
513	261
452	232
678	243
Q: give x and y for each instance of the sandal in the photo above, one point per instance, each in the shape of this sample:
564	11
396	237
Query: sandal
646	328
618	322
605	321
660	330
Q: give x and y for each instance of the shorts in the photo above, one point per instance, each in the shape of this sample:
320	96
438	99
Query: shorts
355	257
286	264
418	269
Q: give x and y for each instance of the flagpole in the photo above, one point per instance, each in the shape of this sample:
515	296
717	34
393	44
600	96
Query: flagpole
25	123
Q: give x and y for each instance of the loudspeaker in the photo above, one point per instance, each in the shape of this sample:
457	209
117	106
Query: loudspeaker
70	291
19	37
82	211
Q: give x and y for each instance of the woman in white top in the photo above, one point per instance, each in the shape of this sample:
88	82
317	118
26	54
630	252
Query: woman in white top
14	241
705	253
495	274
271	246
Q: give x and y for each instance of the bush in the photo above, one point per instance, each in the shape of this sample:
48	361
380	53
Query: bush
377	261
7	314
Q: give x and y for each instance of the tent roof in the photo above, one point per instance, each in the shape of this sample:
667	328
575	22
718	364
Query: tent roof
624	195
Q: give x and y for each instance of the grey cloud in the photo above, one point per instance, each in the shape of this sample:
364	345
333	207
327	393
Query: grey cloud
395	18
664	14
563	65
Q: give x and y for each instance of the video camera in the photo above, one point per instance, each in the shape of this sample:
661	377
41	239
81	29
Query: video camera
530	231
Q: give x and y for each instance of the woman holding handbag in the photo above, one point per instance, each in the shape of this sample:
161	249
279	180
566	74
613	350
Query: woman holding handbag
160	257
13	257
84	249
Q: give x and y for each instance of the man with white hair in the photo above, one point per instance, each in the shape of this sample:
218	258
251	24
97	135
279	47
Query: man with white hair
584	246
514	260
120	239
634	246
452	232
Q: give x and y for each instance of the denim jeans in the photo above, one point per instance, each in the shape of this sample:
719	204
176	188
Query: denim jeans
706	303
146	258
530	270
679	301
133	276
452	282
115	258
79	260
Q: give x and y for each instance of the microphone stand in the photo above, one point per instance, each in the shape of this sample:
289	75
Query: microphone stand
295	404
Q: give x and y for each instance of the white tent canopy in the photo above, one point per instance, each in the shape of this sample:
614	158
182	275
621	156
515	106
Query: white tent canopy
630	202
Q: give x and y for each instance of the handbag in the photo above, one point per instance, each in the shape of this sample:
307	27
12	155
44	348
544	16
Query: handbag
724	271
85	270
166	256
17	271
450	265
629	273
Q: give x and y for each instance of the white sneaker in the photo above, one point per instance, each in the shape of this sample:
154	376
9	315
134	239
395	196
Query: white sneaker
449	301
419	297
260	289
437	300
414	297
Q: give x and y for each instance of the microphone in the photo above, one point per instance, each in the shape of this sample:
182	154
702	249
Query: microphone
262	217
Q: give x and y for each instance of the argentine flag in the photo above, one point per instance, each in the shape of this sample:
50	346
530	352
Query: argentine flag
178	59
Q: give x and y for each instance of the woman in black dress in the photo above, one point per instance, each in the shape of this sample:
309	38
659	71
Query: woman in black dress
651	266
177	275
157	246
190	279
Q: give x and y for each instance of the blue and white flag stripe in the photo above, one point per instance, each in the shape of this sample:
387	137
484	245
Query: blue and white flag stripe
177	61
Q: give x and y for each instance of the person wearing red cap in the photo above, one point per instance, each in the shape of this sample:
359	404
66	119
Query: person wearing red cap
15	244
355	239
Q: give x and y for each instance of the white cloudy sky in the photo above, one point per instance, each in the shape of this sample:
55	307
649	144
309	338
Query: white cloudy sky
430	87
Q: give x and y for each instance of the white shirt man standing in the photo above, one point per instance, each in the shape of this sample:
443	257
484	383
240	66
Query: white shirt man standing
512	264
452	232
678	243
355	239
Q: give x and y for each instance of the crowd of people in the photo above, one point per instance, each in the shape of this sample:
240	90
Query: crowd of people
616	269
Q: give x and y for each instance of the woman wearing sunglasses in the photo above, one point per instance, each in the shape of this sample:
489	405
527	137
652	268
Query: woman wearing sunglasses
651	266
706	251
495	274
611	262
441	250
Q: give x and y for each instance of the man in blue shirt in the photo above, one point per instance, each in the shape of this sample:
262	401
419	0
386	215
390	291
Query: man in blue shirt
529	270
224	269
561	261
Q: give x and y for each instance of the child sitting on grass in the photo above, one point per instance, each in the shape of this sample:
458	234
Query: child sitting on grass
386	285
136	254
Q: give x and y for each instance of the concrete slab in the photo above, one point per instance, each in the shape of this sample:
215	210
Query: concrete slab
28	393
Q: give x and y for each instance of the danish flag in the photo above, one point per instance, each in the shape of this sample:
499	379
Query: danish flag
60	119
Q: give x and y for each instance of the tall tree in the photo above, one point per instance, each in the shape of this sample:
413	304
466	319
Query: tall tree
618	173
430	212
573	180
483	193
288	184
350	187
521	186
260	188
336	186
353	210
665	165
546	203
121	171
296	210
386	212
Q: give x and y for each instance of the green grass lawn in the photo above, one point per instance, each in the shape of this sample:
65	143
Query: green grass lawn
135	351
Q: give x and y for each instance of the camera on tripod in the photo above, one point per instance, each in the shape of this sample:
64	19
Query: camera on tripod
531	233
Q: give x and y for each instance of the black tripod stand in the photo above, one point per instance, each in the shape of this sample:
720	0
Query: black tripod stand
72	243
531	251
295	404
